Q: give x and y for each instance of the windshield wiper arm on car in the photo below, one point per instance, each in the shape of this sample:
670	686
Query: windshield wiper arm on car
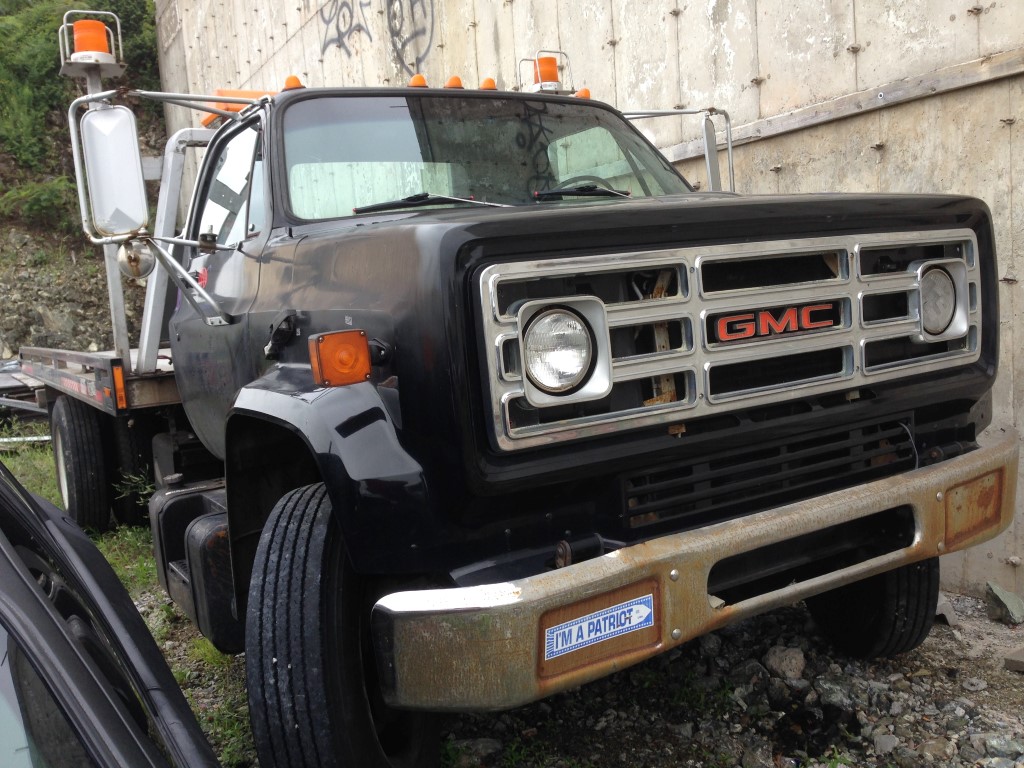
423	198
583	190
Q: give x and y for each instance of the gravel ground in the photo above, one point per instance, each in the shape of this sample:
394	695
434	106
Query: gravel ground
770	692
766	692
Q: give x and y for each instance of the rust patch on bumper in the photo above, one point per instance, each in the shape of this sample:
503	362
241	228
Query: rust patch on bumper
972	508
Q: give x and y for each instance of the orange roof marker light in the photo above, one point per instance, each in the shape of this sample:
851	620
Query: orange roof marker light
582	93
233	106
90	44
292	83
454	82
488	84
339	358
417	81
545	71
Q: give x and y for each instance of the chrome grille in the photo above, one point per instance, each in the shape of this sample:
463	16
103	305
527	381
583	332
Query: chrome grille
837	313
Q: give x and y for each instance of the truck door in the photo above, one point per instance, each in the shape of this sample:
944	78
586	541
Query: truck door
231	207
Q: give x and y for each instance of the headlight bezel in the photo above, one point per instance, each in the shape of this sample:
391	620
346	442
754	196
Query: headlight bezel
959	321
596	381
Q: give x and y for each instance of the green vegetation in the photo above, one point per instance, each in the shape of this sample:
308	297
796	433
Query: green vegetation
31	463
129	551
225	719
41	204
35	160
202	650
138	485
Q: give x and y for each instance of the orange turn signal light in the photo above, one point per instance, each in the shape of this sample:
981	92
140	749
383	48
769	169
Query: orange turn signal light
339	358
417	81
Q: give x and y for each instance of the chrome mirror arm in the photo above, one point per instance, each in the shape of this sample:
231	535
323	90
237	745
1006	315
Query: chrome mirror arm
187	284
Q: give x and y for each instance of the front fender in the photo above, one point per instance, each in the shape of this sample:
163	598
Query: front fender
284	432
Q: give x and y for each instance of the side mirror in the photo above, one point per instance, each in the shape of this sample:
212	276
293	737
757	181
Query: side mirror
113	169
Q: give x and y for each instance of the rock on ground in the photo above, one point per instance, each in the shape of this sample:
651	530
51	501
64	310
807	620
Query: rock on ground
771	692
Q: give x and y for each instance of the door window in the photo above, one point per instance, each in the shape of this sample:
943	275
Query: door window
233	204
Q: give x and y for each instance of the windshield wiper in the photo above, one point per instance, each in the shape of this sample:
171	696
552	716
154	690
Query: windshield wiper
423	198
583	190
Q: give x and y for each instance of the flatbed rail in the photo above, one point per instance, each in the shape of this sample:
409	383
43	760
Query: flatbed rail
18	393
100	379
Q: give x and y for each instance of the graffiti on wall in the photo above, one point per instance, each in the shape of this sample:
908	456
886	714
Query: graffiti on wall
410	28
341	23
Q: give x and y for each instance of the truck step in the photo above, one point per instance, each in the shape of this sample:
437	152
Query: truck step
190	538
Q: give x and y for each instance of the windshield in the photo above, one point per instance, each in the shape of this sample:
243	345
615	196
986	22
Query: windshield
346	152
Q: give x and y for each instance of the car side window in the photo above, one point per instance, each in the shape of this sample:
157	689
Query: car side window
34	732
232	207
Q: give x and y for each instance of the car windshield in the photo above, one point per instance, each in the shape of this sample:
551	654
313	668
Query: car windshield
358	151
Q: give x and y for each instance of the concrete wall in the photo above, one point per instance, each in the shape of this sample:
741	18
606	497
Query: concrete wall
853	95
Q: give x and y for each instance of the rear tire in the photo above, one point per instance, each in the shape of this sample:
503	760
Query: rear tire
131	439
78	454
884	615
314	699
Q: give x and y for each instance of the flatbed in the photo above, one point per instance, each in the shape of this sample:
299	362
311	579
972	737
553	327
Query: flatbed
102	378
19	392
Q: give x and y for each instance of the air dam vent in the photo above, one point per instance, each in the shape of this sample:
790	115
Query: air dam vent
702	332
723	486
797	560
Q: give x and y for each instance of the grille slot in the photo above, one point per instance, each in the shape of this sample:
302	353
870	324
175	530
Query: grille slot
879	307
894	259
772	271
748	480
830	317
888	352
789	370
612	287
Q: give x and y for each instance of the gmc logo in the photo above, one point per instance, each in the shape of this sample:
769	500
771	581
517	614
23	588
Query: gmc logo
774	322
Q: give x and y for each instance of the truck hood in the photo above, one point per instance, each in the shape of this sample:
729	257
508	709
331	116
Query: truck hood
746	215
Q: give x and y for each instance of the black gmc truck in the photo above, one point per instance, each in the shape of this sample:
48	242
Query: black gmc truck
479	400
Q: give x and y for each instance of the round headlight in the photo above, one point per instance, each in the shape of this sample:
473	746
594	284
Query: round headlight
938	300
558	350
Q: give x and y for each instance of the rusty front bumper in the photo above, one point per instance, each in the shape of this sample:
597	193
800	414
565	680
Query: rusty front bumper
503	645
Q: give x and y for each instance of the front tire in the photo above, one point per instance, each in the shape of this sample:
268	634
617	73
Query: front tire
884	615
78	454
313	693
